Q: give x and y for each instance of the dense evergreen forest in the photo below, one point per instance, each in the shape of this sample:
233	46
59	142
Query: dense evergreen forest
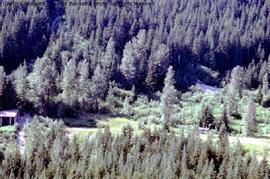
67	55
169	63
153	155
53	52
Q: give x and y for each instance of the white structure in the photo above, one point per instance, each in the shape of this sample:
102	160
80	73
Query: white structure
203	130
9	117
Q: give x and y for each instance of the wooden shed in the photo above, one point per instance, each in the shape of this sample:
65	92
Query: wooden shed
9	117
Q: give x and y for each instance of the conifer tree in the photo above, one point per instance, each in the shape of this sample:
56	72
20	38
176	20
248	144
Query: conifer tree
83	84
168	99
127	109
20	83
2	79
42	84
223	138
236	82
69	84
224	120
203	157
99	86
263	168
184	168
263	71
249	119
157	66
259	95
207	118
265	101
248	75
108	61
265	85
111	99
133	64
9	94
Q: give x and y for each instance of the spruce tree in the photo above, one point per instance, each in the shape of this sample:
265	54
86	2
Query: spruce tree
263	71
223	139
248	75
20	83
42	84
133	66
259	95
99	87
108	61
207	118
265	92
2	79
168	99
265	85
249	119
236	82
224	119
83	84
157	66
263	168
69	84
111	99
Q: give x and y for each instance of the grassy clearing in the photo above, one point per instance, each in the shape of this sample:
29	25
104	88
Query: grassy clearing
191	104
115	124
253	145
8	129
256	146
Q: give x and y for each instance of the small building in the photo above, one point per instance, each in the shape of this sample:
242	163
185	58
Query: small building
9	117
203	130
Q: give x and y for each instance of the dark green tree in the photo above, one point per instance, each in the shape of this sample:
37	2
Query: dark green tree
133	65
42	84
69	84
98	88
207	119
84	85
20	84
157	66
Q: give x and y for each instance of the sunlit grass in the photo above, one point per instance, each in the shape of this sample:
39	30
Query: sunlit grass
191	106
252	145
10	128
115	124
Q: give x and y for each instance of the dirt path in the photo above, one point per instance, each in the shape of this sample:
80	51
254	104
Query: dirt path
20	140
206	88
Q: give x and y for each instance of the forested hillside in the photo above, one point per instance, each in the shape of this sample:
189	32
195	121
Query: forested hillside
58	53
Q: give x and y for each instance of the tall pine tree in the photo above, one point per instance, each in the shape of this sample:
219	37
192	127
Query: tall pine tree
20	84
168	99
42	84
249	119
69	84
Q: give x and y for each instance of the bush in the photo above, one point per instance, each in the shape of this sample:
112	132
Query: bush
266	101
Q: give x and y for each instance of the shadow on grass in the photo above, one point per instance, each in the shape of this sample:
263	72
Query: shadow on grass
81	122
262	137
89	120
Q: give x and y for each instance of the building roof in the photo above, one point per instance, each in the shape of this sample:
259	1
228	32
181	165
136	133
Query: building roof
9	113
